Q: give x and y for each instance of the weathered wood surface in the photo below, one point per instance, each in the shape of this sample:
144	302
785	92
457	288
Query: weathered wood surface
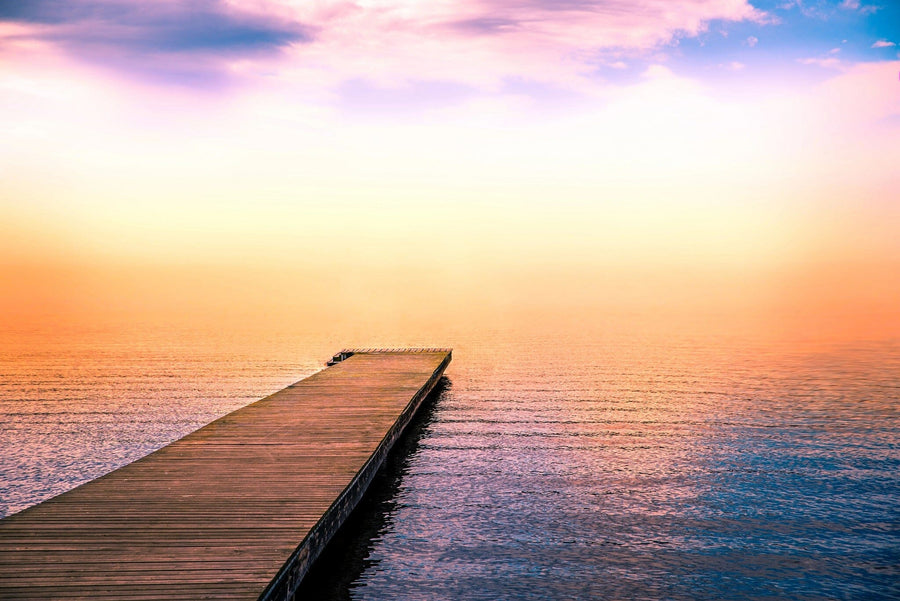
235	510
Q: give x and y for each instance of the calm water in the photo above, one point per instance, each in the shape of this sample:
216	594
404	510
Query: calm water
548	467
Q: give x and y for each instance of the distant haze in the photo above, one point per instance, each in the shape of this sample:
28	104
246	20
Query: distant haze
604	166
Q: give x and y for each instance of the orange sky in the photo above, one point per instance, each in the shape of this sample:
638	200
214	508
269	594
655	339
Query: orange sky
671	197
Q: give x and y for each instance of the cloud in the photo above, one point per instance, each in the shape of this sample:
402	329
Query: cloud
826	63
855	5
360	95
390	42
752	41
862	95
172	40
883	44
824	10
483	43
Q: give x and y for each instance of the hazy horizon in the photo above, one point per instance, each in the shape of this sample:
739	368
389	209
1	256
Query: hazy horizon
721	164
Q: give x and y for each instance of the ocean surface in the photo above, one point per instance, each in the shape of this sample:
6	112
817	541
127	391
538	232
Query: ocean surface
576	466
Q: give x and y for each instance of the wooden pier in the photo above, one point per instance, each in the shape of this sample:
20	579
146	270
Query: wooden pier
238	509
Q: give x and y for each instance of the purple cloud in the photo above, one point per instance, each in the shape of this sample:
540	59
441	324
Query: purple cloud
362	96
485	25
182	42
391	43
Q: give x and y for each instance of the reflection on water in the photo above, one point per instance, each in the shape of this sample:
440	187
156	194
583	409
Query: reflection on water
348	554
75	405
643	475
548	467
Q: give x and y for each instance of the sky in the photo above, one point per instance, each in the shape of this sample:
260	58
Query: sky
708	163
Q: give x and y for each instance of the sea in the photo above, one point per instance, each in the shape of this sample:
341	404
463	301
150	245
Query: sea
548	465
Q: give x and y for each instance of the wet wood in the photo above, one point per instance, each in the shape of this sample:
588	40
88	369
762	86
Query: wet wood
236	510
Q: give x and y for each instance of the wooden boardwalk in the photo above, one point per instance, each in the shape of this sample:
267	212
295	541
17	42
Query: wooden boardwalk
236	510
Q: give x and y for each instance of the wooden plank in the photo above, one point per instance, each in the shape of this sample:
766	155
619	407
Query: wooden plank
236	510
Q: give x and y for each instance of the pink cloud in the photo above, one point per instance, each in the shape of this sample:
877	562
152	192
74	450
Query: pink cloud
474	42
482	43
864	93
827	63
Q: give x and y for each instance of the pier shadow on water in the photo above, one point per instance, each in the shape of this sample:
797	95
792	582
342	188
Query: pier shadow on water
346	557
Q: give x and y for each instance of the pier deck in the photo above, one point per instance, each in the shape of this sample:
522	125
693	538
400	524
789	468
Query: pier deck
235	510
